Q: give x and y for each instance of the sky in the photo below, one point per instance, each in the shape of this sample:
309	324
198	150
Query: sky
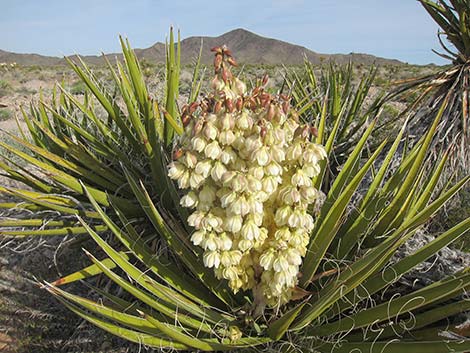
397	29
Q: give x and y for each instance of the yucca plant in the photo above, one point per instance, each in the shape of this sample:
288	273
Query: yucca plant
453	80
263	262
331	91
71	141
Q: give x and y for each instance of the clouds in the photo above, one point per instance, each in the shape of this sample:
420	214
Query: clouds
399	29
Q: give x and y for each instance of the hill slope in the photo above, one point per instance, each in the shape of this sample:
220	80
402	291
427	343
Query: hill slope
248	47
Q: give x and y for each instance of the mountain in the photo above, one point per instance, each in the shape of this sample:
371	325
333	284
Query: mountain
248	48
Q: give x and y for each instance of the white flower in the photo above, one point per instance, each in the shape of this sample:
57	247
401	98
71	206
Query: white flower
244	121
256	206
198	237
203	167
183	181
309	194
210	131
239	207
230	273
301	179
195	219
293	256
294	152
225	259
278	154
233	223
250	231
211	259
267	258
211	222
198	144
218	170
261	155
210	242
176	170
228	156
289	195
212	150
282	215
273	168
226	137
296	219
190	160
254	185
227	122
227	197
224	242
256	172
270	184
239	183
189	200
283	234
280	263
195	180
245	245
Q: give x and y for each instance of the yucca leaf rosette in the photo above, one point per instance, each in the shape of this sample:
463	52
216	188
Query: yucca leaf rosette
247	164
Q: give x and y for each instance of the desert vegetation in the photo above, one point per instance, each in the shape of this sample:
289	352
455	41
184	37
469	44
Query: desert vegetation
235	207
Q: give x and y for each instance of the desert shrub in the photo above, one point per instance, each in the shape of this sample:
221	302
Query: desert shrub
5	88
5	114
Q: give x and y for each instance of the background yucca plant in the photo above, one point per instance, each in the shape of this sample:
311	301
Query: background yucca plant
332	91
171	300
453	80
88	141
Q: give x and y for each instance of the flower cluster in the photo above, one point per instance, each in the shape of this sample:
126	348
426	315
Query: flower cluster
248	163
